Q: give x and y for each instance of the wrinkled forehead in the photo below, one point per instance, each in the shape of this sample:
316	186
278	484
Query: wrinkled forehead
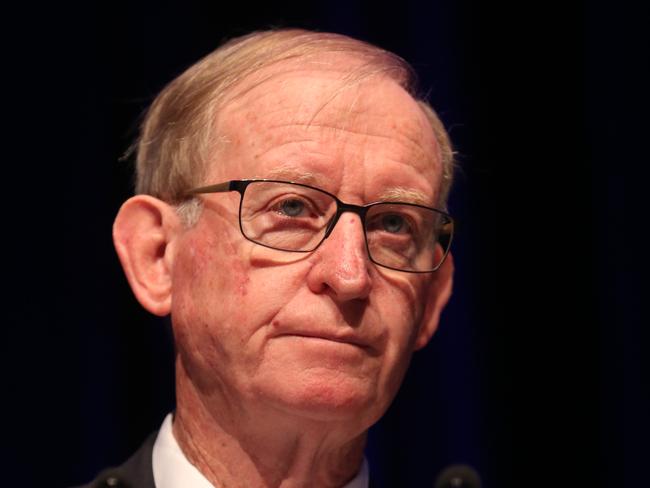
336	91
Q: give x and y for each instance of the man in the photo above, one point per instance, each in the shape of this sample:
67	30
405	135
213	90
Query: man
287	217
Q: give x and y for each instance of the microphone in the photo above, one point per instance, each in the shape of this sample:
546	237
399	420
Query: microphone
458	476
111	478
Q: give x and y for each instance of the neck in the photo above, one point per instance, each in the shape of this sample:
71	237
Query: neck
238	445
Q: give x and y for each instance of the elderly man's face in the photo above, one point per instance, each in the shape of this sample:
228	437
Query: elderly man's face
327	335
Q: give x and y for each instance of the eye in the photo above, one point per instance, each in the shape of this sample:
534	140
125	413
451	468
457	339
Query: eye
291	207
393	223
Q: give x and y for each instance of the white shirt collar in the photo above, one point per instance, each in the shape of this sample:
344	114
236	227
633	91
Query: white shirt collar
171	469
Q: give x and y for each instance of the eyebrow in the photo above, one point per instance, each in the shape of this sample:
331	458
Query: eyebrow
395	194
289	174
406	195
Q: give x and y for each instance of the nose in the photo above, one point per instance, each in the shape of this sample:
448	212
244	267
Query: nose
341	263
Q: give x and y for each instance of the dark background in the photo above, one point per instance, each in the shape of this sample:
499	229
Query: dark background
536	376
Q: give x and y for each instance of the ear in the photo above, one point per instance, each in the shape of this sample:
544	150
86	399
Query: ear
143	234
438	295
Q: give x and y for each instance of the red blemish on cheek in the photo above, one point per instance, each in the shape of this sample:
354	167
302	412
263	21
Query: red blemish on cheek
227	248
218	259
242	284
239	274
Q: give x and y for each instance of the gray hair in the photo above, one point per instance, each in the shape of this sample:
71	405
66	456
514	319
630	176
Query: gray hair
177	134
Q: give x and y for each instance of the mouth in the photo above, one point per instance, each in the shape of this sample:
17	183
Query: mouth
351	341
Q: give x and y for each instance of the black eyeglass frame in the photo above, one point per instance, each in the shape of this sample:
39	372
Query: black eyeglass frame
341	207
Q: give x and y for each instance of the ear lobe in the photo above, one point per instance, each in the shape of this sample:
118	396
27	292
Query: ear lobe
438	296
143	233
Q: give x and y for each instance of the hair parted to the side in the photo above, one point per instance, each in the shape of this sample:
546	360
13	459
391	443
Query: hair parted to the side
177	136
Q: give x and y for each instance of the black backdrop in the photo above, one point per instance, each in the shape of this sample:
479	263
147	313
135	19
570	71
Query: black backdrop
536	376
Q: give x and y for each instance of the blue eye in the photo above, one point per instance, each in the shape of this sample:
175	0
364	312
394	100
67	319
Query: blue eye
291	208
393	223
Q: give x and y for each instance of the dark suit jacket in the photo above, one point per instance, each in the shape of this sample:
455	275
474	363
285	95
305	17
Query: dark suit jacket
137	472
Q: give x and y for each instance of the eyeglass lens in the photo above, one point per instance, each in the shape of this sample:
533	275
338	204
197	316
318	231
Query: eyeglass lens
292	217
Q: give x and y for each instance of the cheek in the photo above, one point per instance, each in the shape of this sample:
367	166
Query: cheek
402	305
206	270
219	297
213	264
401	309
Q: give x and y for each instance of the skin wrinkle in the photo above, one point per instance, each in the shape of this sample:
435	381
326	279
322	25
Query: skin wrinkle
422	153
420	198
195	449
299	413
283	360
233	250
258	255
304	57
289	173
394	194
310	123
259	464
346	115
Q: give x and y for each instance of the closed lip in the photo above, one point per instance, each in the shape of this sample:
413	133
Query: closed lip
343	339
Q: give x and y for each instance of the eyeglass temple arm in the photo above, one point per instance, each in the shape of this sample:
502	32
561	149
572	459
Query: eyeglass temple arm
218	188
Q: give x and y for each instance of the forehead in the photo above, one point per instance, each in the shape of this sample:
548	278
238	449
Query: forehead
328	111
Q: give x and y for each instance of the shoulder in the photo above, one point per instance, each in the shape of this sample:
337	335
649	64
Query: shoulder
136	472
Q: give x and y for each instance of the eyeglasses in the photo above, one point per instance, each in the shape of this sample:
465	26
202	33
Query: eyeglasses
297	218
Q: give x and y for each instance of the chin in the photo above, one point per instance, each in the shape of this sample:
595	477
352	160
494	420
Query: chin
346	400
